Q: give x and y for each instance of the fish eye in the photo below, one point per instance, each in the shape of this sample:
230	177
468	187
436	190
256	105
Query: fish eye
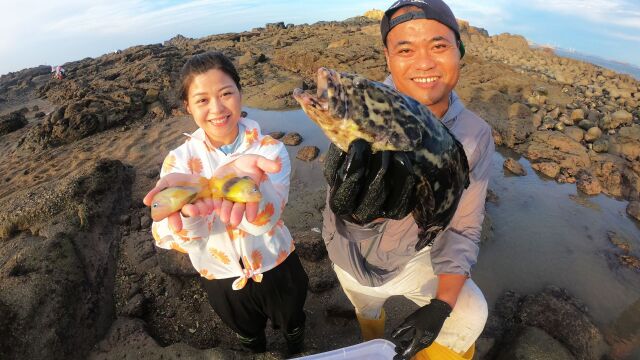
360	83
155	205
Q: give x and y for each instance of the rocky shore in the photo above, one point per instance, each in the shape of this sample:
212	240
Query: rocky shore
81	278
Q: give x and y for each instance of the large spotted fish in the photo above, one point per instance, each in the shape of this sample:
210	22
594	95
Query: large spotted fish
349	107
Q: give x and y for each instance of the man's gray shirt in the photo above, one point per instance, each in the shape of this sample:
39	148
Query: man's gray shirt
376	252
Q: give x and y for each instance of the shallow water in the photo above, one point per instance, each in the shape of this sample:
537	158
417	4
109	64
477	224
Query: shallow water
544	233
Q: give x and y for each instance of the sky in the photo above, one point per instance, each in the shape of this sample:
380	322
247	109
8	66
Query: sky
45	32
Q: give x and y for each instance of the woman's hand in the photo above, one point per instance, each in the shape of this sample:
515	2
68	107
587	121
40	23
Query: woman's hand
254	166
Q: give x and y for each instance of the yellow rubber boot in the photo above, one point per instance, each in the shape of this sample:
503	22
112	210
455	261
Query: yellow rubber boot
372	328
439	352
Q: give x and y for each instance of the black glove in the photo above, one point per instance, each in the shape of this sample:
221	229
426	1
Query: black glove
366	185
422	327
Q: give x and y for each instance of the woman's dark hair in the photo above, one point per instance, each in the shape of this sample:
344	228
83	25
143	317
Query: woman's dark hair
200	64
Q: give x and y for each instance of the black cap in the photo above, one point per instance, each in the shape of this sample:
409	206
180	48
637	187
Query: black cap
431	9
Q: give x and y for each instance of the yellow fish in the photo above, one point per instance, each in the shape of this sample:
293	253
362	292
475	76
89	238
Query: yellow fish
232	188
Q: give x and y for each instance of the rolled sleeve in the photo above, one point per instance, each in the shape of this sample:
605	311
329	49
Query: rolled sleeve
456	250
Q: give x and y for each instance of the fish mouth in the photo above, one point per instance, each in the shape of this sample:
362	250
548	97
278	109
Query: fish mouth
326	85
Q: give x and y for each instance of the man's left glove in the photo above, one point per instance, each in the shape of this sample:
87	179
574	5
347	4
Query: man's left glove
420	329
366	185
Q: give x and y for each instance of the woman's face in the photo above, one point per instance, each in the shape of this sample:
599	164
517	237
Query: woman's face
215	103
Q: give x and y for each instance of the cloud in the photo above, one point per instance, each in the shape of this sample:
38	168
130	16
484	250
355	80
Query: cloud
622	13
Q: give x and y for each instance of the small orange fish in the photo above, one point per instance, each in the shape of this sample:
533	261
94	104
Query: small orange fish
233	188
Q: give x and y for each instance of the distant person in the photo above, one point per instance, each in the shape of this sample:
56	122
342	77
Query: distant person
244	253
377	260
58	72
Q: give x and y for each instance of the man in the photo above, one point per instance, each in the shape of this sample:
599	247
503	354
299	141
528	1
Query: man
374	261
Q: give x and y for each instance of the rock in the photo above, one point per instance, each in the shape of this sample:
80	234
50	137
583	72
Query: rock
292	139
565	319
534	344
514	167
39	115
338	44
549	169
310	246
577	115
175	263
626	143
588	184
374	14
518	126
633	209
619	242
35	108
593	116
617	119
492	197
556	147
601	146
12	122
58	276
593	134
276	134
145	222
151	96
630	261
308	153
321	275
134	306
585	124
559	126
574	132
565	120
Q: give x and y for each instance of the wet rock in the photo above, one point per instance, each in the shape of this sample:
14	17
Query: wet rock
292	139
492	197
593	134
565	319
514	167
633	209
619	242
518	126
557	147
276	134
39	115
630	261
35	108
308	153
12	122
310	246
549	169
535	344
588	184
626	143
574	132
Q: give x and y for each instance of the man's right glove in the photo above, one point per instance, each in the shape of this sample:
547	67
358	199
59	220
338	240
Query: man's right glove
366	185
420	329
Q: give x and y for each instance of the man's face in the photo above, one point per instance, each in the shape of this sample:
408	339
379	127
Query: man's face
424	60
